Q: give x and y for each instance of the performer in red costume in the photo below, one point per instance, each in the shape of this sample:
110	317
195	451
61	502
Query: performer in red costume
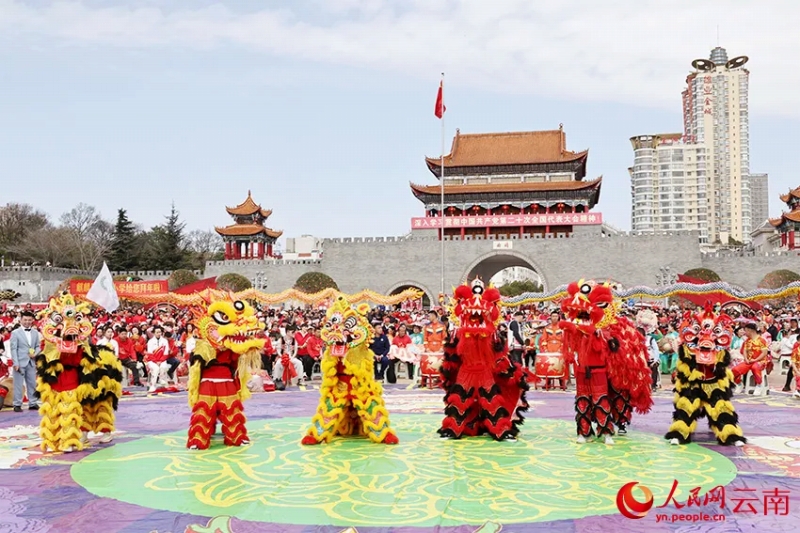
611	373
484	389
229	348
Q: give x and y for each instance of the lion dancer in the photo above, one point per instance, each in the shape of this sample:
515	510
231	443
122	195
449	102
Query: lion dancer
351	401
484	389
79	383
704	383
227	351
611	373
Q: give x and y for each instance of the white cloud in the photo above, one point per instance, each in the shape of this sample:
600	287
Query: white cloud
614	51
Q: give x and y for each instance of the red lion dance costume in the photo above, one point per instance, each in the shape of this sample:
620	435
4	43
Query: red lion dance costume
484	389
227	351
611	372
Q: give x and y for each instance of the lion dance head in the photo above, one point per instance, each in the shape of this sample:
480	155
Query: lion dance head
66	323
706	335
589	306
476	310
229	324
647	320
346	327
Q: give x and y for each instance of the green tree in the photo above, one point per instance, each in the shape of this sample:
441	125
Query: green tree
778	278
233	282
181	278
313	282
123	254
515	288
167	247
705	274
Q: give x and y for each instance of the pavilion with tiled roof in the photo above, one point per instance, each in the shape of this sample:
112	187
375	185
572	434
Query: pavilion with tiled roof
788	225
247	237
498	184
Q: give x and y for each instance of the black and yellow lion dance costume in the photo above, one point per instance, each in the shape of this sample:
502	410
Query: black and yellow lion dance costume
704	383
79	384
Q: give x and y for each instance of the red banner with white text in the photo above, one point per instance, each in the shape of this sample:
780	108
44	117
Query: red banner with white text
125	289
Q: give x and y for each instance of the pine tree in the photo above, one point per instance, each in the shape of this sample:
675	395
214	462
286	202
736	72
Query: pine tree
168	243
123	254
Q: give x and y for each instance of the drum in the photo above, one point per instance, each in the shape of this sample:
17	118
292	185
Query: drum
551	366
430	363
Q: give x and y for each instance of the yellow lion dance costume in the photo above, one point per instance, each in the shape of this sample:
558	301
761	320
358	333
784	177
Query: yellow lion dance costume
351	401
228	349
79	384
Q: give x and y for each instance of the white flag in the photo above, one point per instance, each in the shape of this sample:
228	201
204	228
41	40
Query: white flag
103	292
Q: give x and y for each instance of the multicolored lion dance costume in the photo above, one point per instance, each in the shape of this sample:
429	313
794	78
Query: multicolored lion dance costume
611	372
79	384
351	401
704	383
484	389
228	349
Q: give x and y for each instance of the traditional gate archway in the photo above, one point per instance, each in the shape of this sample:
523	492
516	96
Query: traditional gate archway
489	264
427	295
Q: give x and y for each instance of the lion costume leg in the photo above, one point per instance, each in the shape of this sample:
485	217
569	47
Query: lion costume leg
230	412
373	414
688	408
330	417
202	424
621	409
99	417
461	413
60	426
722	417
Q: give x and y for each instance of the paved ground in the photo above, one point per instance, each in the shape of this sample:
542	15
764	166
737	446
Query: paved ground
107	485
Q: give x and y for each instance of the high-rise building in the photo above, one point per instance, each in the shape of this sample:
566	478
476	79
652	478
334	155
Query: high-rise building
759	198
715	114
668	185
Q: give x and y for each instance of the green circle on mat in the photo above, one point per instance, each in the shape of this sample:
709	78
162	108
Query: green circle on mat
423	481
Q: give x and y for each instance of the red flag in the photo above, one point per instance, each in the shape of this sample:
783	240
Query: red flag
440	108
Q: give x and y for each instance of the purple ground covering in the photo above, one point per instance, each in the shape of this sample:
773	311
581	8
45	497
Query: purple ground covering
38	494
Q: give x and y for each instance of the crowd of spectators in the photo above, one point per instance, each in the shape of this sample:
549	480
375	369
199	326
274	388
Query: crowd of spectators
154	343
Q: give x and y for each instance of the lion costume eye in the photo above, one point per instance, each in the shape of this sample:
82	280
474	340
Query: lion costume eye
602	305
79	317
56	318
586	289
221	318
238	305
350	323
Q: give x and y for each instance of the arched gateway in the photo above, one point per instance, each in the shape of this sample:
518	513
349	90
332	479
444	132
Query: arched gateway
427	295
489	264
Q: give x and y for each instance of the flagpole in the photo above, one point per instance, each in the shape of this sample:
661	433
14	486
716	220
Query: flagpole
441	185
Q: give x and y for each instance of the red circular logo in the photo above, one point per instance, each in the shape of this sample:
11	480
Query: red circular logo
629	506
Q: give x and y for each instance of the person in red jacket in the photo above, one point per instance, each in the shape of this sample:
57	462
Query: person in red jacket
127	356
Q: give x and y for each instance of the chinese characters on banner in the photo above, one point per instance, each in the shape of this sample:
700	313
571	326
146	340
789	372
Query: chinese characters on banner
708	95
497	221
125	289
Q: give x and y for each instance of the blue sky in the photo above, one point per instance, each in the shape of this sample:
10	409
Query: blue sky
324	109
